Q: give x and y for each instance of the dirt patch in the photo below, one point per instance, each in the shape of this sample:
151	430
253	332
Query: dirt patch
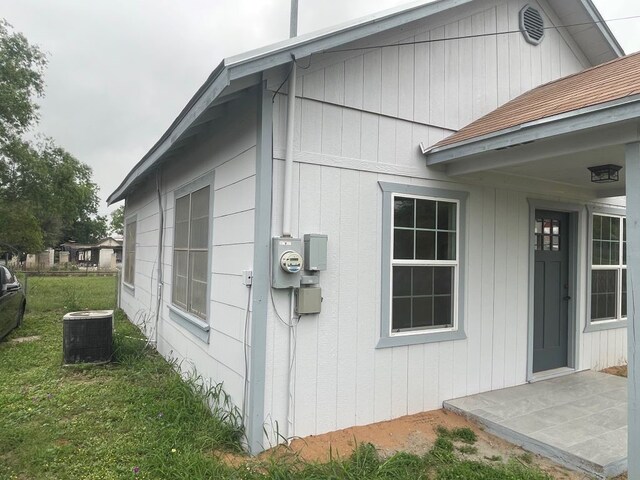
620	371
25	339
414	434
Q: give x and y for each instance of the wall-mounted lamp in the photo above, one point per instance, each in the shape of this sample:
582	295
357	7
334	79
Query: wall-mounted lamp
605	173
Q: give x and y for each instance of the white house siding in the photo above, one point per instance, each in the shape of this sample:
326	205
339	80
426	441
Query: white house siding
230	150
360	117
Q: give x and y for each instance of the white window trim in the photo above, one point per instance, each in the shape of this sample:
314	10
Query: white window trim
128	221
388	338
198	326
612	323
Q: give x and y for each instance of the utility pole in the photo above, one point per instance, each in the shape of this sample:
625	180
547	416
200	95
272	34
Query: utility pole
293	23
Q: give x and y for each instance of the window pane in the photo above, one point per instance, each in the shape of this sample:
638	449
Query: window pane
422	280
446	246
597	227
422	312
401	312
403	244
179	295
198	298
446	216
443	280
425	245
606	228
615	229
442	311
182	222
199	233
425	214
199	267
605	248
200	218
603	294
401	281
403	212
597	252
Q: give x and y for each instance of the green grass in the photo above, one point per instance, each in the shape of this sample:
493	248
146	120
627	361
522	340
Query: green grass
102	422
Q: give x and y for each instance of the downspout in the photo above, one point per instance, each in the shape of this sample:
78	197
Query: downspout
286	214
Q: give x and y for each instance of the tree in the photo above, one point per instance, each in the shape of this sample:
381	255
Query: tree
46	195
117	220
21	79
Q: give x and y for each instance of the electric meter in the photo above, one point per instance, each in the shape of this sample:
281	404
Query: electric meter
291	262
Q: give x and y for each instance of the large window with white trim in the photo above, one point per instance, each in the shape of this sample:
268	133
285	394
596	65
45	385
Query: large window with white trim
608	268
191	252
423	235
424	263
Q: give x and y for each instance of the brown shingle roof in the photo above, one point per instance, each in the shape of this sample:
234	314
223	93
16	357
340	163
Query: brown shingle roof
609	81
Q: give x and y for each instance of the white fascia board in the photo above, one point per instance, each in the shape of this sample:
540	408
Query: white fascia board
240	66
571	122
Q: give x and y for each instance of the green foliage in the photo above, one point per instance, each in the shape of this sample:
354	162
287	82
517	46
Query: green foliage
464	434
21	79
468	449
117	220
137	418
46	195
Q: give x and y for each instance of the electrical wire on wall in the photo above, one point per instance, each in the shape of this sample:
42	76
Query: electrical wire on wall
247	319
160	282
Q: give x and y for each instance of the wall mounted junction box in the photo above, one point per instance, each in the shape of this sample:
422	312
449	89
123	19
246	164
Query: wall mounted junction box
308	300
315	252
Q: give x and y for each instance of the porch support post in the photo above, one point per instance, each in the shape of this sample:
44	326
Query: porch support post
632	167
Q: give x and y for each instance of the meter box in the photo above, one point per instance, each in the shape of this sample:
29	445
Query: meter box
308	300
286	264
315	252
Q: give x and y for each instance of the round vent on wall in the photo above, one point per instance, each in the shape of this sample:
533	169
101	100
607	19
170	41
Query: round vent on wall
531	25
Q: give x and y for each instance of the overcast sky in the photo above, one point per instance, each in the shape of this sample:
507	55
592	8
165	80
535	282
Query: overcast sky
120	71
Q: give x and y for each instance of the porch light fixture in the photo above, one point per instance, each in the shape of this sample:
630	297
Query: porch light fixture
605	173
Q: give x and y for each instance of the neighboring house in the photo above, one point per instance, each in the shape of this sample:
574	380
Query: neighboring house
104	254
485	260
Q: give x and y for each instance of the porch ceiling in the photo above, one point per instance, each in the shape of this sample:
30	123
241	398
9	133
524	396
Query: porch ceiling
572	169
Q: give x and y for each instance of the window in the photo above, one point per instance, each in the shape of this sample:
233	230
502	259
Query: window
608	268
191	252
130	250
422	265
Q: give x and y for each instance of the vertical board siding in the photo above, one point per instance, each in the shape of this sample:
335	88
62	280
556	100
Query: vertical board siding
368	113
229	151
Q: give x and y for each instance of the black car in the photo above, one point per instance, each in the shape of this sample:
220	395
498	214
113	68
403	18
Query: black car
12	302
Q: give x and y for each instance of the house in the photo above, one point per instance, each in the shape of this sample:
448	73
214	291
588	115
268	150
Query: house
104	254
445	227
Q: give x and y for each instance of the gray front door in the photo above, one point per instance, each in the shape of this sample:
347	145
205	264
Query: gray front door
551	291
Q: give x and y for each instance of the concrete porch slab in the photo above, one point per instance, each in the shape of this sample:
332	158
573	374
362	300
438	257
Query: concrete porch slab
578	420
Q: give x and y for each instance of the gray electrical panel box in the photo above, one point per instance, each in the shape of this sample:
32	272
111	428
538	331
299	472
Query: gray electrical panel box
315	252
308	300
286	264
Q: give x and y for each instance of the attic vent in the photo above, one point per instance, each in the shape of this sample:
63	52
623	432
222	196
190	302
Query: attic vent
531	25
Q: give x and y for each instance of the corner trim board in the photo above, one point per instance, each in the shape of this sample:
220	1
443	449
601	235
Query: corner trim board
255	418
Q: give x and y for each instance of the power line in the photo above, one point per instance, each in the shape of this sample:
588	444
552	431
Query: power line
477	35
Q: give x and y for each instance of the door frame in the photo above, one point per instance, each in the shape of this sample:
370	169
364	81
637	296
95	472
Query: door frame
577	221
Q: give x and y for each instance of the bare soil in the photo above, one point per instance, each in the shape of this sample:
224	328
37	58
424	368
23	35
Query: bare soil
415	434
620	371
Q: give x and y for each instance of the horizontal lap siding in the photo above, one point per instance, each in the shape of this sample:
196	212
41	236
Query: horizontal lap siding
360	120
230	150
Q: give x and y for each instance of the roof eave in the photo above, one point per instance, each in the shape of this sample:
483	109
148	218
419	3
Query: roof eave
260	60
620	110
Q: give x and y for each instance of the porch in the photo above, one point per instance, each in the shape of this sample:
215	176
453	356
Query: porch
578	420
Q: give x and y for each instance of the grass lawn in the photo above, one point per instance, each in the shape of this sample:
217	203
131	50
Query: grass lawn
136	418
